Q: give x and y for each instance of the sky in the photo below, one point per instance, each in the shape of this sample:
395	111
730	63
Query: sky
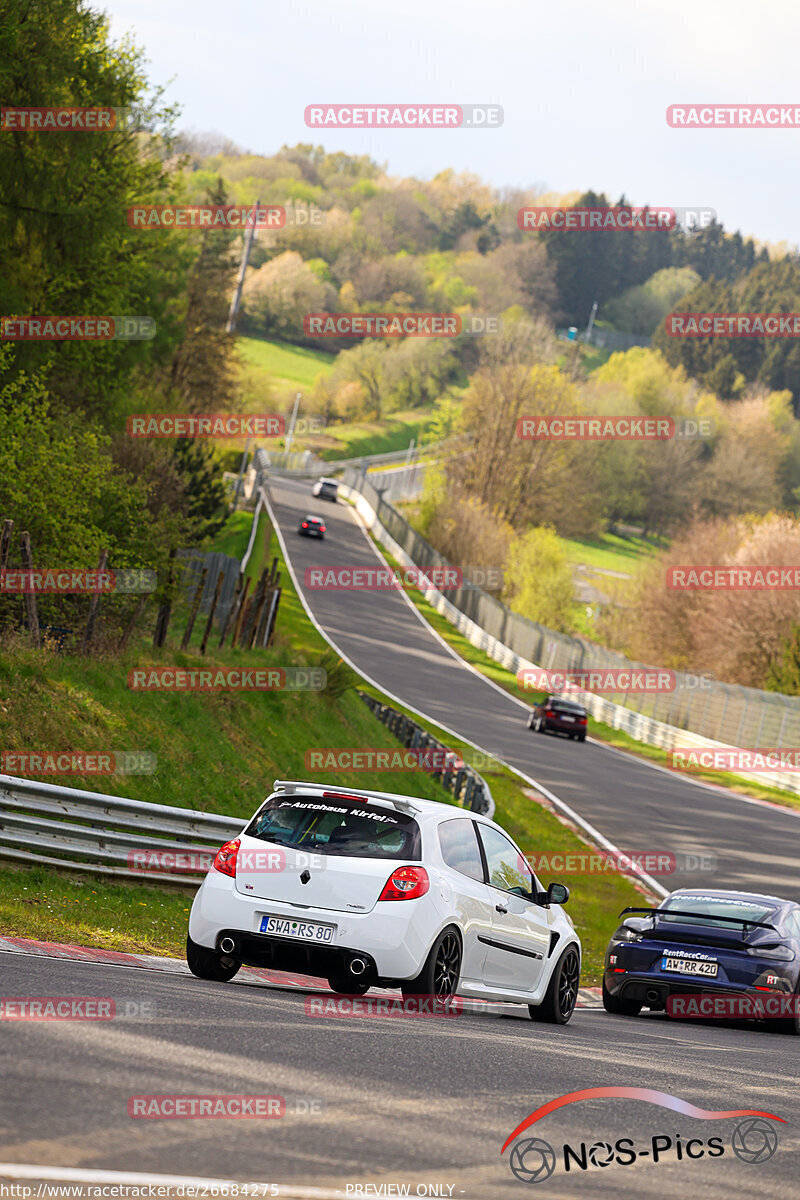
584	86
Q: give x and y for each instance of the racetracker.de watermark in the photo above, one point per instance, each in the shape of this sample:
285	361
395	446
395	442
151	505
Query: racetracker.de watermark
381	579
610	862
380	1006
74	1008
755	578
61	119
733	325
197	860
403	116
234	679
374	758
181	1108
747	1006
77	329
207	425
78	762
72	581
409	324
734	116
609	679
733	758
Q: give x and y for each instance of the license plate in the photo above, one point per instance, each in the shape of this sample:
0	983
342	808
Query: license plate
304	931
689	966
572	719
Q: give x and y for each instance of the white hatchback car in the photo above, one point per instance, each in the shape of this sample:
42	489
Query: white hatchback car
377	889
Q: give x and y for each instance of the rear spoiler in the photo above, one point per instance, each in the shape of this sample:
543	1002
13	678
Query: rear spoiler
679	912
292	786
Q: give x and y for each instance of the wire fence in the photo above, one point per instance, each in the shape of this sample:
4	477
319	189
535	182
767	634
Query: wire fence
722	712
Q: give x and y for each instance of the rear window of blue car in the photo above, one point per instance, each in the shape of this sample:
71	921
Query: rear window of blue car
709	907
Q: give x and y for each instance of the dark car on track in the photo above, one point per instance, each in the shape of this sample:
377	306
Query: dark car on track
326	489
312	527
554	714
708	943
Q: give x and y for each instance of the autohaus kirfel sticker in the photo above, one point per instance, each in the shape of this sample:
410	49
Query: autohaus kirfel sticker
752	1140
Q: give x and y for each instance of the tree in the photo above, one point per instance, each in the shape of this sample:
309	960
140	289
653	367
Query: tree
277	296
539	581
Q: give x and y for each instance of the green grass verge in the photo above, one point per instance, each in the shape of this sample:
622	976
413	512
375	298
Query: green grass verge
289	366
370	437
85	910
610	552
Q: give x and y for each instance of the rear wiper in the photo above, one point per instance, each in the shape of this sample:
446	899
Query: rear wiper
697	916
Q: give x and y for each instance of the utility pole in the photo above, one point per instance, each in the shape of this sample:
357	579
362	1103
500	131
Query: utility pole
290	433
587	337
250	233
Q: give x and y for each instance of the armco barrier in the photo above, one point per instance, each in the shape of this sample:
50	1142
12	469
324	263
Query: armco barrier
468	787
88	831
743	729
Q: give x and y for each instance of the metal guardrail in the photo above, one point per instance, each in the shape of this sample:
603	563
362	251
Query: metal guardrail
465	784
107	835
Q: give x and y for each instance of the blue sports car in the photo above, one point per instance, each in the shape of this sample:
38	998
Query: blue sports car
708	943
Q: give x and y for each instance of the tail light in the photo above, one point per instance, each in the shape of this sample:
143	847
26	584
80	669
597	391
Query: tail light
406	883
581	720
225	860
322	528
305	525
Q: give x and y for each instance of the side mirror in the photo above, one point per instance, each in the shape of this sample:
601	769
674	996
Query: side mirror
557	893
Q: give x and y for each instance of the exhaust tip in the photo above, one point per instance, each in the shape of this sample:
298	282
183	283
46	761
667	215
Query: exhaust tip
652	996
227	945
357	966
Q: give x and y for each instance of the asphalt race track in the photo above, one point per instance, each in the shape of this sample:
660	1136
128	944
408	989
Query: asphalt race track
383	1102
638	807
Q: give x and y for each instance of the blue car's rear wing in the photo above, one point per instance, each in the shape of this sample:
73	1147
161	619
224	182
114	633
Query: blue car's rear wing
679	912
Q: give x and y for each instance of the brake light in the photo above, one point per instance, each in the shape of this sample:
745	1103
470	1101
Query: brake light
345	796
305	525
581	720
406	883
225	860
322	528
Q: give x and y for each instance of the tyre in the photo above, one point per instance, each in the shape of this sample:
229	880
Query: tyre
562	991
439	977
620	1008
210	964
347	986
791	1024
581	737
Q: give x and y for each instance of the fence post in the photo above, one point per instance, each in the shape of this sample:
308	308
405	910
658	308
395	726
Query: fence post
134	620
5	542
198	596
93	607
209	622
165	608
30	597
237	625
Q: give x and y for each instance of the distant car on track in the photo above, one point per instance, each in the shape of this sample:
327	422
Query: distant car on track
556	715
377	889
701	942
326	489
311	527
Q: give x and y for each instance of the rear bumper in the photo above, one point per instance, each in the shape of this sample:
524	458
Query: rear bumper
653	990
394	937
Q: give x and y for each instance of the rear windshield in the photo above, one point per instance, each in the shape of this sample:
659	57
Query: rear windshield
566	706
708	907
333	826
